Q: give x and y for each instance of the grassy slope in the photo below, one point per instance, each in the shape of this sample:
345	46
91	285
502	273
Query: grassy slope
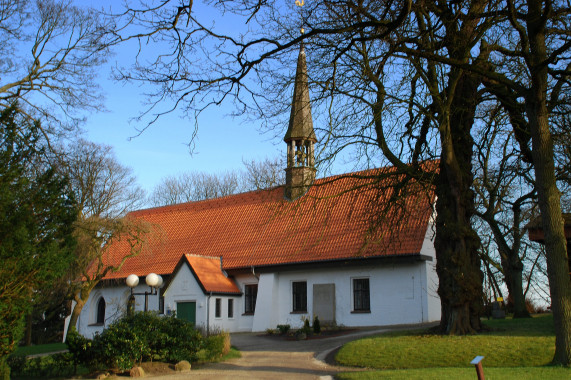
40	349
525	344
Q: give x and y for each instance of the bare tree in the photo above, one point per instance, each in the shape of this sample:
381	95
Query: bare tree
105	190
438	55
505	195
102	186
189	187
49	55
264	174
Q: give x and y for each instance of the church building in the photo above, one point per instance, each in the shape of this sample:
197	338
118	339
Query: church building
255	260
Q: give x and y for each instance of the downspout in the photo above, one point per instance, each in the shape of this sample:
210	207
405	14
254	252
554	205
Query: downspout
208	315
254	273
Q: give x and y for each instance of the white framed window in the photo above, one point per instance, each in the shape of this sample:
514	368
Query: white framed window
230	308
299	296
218	308
361	295
250	296
100	311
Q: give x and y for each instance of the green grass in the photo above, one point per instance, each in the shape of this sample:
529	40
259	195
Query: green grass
512	373
518	349
234	353
39	349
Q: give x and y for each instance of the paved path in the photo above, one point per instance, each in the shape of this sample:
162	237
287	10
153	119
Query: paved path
271	358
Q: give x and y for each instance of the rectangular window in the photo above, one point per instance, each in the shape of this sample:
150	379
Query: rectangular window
250	295
299	296
161	305
218	309
361	294
230	308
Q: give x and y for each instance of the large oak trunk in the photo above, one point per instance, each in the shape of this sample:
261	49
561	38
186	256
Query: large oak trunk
456	243
547	193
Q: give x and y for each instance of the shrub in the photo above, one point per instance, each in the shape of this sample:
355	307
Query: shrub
316	325
306	326
4	369
270	331
142	336
146	337
215	346
82	351
283	329
57	365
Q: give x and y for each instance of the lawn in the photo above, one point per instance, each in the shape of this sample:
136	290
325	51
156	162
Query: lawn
40	349
513	349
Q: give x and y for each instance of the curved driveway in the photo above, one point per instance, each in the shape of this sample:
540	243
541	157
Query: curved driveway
272	358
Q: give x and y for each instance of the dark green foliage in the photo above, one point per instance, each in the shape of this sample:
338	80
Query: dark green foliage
316	325
306	326
57	365
283	329
136	338
36	218
4	369
214	347
82	350
48	315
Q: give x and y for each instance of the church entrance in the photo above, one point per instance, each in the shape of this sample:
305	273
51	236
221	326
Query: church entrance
186	311
324	302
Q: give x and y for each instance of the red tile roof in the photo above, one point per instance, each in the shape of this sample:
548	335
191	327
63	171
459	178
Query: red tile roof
208	273
260	228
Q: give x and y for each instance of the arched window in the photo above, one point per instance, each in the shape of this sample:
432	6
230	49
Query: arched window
100	311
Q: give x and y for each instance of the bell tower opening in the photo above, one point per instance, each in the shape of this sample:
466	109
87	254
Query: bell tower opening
300	136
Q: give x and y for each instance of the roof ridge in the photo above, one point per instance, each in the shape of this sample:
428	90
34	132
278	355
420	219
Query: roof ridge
203	256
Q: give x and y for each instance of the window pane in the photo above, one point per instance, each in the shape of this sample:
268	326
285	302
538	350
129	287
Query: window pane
299	293
218	312
230	308
250	295
361	297
100	311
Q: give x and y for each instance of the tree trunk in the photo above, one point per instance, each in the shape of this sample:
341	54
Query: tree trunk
80	303
516	298
28	336
547	192
513	272
456	243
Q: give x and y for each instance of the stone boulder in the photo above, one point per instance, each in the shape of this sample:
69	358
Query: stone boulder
137	372
182	366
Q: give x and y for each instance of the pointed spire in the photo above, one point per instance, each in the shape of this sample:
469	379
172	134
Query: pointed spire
300	120
300	136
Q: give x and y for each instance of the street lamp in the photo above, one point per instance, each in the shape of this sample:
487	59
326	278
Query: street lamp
152	279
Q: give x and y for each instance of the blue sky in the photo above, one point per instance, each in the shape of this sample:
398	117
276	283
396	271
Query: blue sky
222	143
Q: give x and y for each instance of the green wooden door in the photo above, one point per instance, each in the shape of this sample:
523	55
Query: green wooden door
186	311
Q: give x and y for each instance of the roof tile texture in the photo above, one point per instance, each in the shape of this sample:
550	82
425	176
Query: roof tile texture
210	275
332	221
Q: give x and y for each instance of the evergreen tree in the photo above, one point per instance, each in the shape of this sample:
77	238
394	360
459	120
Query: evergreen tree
36	218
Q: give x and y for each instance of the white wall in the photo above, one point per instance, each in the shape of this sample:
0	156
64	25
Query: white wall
116	298
400	293
432	302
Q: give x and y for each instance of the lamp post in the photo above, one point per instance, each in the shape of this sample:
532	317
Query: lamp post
152	279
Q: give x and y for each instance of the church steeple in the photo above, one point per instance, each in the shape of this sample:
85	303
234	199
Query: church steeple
300	136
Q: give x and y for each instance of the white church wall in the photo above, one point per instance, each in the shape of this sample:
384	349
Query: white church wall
430	281
397	296
116	298
185	288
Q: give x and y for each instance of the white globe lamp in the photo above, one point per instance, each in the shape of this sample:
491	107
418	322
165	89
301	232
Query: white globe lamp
132	280
152	280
